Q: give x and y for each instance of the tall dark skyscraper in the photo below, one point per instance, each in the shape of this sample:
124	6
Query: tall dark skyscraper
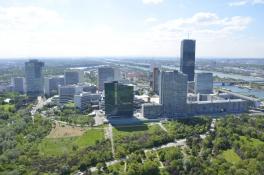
187	64
34	78
118	99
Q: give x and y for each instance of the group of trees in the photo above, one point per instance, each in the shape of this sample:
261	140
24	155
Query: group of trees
19	137
134	141
74	116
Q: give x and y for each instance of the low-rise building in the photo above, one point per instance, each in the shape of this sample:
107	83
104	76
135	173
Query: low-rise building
86	99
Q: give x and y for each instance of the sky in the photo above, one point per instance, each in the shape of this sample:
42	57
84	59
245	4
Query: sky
149	28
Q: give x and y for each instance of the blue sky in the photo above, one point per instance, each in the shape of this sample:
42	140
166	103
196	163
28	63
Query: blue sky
54	28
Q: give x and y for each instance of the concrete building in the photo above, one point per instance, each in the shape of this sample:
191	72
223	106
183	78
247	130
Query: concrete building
203	83
217	107
173	93
67	92
107	74
175	103
73	77
87	87
18	84
187	58
155	80
34	78
118	99
51	85
86	99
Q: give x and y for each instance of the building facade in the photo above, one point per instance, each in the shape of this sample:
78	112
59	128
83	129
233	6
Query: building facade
187	58
67	92
86	99
173	93
18	84
203	83
51	85
107	74
156	77
118	99
73	77
34	78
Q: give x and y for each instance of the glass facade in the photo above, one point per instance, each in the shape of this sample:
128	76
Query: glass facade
118	99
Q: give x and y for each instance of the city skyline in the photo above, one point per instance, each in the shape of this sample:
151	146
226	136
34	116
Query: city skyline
67	28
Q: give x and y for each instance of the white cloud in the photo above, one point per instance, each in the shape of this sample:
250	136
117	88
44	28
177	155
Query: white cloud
238	3
152	1
202	24
246	2
27	18
151	20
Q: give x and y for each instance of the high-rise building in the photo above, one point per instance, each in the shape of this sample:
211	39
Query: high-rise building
203	83
34	78
187	62
51	84
18	84
73	77
155	81
107	74
118	99
173	93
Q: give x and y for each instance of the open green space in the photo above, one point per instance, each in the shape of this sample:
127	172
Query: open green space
251	141
132	138
7	107
231	156
59	146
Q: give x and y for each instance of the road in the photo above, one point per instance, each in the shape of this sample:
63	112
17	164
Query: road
39	105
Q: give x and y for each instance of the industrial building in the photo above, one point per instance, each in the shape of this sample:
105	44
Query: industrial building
34	78
118	99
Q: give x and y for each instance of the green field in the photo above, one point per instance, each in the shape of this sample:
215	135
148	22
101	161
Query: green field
59	146
7	107
231	156
252	142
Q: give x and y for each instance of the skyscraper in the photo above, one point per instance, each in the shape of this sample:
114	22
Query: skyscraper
18	84
118	99
106	74
34	78
73	77
187	62
173	93
156	75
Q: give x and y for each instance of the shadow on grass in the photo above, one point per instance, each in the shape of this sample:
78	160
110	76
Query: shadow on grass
132	128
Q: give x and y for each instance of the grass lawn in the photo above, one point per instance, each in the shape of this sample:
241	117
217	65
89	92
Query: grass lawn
59	146
231	156
251	141
7	107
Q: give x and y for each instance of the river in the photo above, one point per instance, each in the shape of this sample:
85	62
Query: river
245	91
